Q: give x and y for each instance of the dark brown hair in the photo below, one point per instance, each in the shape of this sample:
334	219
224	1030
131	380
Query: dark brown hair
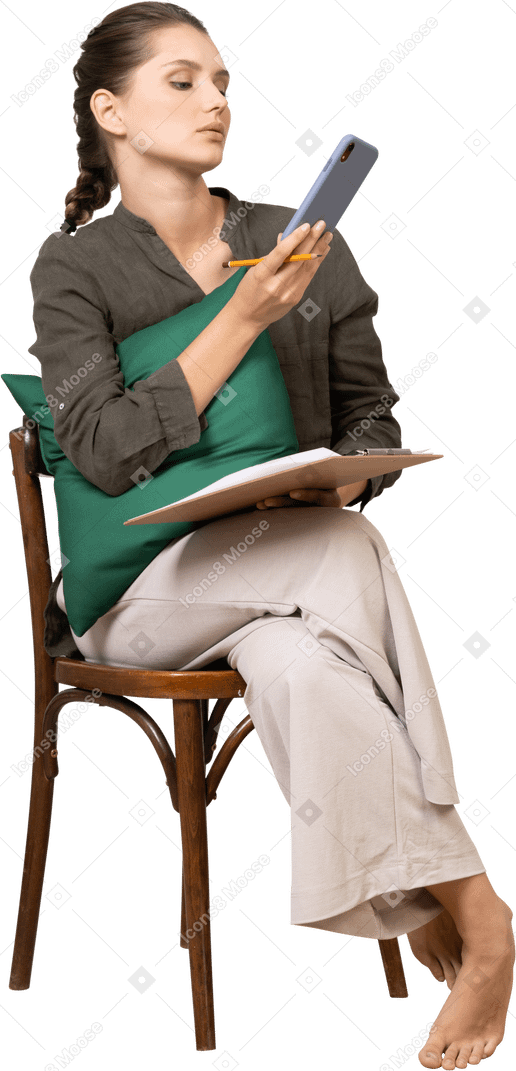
110	54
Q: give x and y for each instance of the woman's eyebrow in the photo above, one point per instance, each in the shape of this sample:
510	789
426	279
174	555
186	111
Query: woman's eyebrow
194	66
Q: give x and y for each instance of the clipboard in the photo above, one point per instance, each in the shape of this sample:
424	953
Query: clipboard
331	471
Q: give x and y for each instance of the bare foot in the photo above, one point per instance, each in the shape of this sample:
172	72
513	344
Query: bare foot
437	945
471	1023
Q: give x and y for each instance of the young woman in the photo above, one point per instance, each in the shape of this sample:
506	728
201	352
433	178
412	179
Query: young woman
313	615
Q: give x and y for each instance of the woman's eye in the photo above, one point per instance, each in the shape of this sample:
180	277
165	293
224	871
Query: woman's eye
189	84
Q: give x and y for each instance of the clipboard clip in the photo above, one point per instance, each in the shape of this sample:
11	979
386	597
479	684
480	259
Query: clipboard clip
385	450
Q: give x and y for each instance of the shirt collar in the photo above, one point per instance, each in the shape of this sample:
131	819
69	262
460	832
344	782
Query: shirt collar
231	222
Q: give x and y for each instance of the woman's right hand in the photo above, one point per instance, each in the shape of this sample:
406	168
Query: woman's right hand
272	288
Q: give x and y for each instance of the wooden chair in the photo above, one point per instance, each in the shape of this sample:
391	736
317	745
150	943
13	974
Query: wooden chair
195	741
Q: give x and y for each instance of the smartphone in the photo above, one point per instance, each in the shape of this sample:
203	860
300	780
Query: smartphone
337	184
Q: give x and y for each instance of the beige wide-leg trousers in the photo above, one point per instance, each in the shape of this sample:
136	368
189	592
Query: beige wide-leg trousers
305	602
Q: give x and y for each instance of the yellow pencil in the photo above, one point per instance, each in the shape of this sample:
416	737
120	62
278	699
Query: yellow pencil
249	263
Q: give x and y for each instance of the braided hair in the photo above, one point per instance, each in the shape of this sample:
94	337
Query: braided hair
112	51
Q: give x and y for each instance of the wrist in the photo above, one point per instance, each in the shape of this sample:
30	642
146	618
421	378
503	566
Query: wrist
242	317
351	491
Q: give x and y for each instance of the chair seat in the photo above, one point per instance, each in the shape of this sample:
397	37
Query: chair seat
214	681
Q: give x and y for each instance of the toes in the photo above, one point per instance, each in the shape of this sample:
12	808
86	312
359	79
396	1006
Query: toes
430	1055
477	1053
449	973
463	1057
490	1047
450	1057
433	964
429	1058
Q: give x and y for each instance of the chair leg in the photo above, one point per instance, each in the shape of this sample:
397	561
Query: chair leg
191	791
393	966
183	942
204	705
38	830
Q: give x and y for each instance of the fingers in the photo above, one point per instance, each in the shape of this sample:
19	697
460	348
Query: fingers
278	501
285	247
318	243
300	241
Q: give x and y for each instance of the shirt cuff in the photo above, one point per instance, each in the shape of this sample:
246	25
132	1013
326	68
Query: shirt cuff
175	406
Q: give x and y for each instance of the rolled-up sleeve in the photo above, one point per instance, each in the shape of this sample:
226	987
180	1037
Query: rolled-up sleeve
107	431
361	396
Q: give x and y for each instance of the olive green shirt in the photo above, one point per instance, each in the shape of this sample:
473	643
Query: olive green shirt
95	287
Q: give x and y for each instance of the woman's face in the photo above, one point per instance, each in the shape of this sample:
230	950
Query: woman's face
168	102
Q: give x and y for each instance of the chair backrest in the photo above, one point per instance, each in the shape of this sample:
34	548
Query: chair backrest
28	467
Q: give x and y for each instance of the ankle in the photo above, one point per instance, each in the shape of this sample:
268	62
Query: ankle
480	915
489	933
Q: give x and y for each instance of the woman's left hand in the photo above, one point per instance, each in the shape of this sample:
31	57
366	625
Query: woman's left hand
306	496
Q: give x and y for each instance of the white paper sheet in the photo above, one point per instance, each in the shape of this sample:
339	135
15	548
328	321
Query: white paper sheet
265	469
